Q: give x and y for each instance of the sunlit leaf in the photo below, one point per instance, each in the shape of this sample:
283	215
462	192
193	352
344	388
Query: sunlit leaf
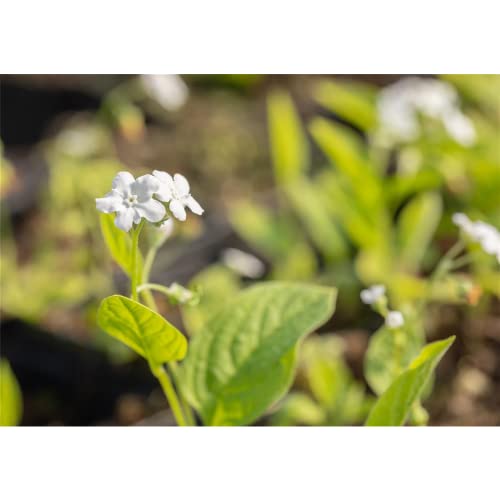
289	147
11	402
143	330
416	227
393	407
353	101
244	358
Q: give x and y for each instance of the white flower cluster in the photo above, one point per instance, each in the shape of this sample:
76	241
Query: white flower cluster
134	199
400	104
375	294
481	232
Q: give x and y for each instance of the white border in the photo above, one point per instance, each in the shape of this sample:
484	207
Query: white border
263	36
249	463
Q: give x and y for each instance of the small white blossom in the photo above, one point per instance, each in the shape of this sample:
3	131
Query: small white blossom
176	192
400	104
132	199
481	232
373	294
243	263
394	319
169	91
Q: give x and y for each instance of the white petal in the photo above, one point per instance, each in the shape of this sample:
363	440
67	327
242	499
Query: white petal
144	187
181	185
165	192
112	202
137	215
366	297
123	181
193	205
151	210
177	209
125	219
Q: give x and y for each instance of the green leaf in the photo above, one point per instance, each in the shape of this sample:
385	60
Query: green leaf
145	331
299	409
416	227
289	147
321	226
216	284
244	359
11	401
119	244
381	366
348	155
353	101
393	407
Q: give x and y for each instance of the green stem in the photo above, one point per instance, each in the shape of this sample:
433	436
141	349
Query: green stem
179	408
171	396
135	248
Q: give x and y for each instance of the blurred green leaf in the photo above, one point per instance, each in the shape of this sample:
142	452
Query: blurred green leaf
245	358
299	409
143	330
289	147
352	101
11	401
393	407
416	227
119	244
348	155
321	226
217	284
386	357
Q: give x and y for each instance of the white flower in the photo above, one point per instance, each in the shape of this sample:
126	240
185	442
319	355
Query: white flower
169	91
373	294
176	193
481	232
243	263
400	104
394	319
132	199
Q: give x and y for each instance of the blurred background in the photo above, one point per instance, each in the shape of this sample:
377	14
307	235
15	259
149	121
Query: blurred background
240	139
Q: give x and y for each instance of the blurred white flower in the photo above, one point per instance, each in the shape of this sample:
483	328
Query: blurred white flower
169	91
485	234
243	263
167	228
132	199
400	104
176	192
373	294
394	319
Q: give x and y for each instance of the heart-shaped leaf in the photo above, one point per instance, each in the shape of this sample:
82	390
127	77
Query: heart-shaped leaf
145	331
243	360
393	407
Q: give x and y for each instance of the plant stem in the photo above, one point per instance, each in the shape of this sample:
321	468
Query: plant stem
134	278
171	396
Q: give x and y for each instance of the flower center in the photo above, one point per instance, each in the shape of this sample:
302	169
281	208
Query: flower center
131	200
